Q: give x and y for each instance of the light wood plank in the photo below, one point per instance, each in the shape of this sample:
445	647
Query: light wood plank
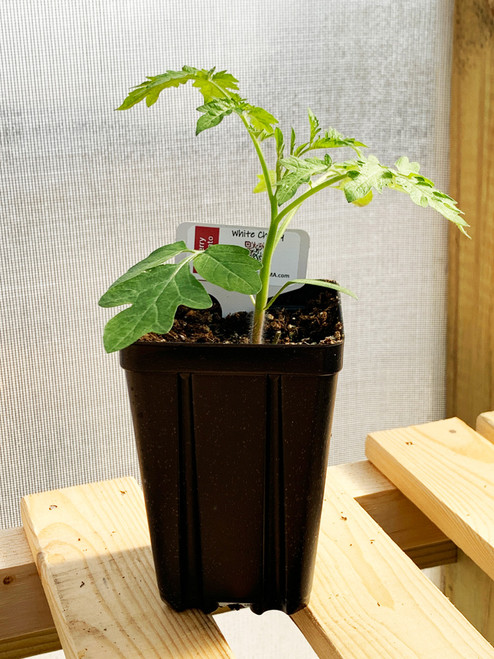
370	601
466	585
485	425
447	470
413	532
362	480
470	363
26	624
92	550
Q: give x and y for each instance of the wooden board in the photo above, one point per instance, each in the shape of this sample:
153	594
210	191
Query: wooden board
447	470
485	425
464	583
26	624
93	554
413	532
370	601
470	363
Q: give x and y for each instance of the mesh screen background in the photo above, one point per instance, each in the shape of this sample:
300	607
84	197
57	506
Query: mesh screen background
86	191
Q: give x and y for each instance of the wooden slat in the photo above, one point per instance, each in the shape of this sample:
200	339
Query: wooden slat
417	536
470	363
26	624
485	425
370	601
447	470
92	550
413	532
466	585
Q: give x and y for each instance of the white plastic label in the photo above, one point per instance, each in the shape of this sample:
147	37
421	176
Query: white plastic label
289	260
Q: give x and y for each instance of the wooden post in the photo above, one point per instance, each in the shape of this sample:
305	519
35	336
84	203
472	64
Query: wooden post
470	371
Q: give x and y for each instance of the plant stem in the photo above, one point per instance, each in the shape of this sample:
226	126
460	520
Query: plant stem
262	295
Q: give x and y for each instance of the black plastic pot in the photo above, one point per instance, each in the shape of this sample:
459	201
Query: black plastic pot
233	446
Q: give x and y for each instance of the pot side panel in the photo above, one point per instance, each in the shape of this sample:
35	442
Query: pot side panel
230	428
154	397
307	411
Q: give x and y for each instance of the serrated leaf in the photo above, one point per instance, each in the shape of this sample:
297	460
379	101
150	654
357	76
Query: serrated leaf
213	113
280	143
289	185
423	193
151	88
372	175
300	170
292	141
158	257
211	85
332	139
214	85
405	167
230	267
260	119
261	186
155	296
310	166
314	125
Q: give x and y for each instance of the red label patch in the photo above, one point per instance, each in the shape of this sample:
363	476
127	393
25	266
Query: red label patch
206	236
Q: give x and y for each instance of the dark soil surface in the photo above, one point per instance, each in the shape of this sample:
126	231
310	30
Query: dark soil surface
312	321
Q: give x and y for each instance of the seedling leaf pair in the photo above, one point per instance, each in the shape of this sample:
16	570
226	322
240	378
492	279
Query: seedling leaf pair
156	290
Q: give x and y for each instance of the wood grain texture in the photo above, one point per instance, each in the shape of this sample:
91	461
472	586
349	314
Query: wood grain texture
370	601
466	585
485	425
470	363
36	631
93	555
413	532
26	624
447	470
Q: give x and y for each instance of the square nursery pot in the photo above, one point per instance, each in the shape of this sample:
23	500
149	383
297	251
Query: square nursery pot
233	447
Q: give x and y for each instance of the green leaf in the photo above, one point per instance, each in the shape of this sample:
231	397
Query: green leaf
158	257
230	267
214	113
423	192
155	296
310	166
314	125
332	139
364	201
211	85
292	141
261	186
405	167
314	282
208	82
260	119
371	174
151	88
289	185
300	170
280	143
365	175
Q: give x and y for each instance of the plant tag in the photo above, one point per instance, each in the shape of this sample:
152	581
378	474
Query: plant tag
289	260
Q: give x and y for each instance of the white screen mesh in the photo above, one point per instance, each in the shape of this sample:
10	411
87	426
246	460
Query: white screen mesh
87	191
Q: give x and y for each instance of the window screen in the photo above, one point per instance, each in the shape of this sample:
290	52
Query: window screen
87	191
